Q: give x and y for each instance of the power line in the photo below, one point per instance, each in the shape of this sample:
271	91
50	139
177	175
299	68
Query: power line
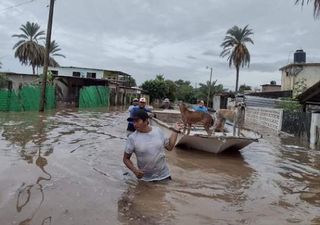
17	5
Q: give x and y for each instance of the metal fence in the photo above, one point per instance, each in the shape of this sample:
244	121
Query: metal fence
297	123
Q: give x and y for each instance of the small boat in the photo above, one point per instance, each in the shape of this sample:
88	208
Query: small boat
198	138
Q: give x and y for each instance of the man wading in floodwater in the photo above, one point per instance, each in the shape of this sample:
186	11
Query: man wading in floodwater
148	144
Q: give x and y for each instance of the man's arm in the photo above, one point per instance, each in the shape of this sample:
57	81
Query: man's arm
172	141
127	161
173	137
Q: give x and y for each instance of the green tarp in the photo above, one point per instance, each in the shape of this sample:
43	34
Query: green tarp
94	96
26	99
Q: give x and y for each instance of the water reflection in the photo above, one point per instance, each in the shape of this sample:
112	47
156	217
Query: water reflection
25	191
301	170
214	177
145	204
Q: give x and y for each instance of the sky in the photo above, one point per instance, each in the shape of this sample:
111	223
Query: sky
179	39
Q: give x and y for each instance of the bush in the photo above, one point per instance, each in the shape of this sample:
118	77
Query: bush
289	104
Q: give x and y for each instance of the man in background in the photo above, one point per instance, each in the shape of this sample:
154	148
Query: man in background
201	107
140	106
166	104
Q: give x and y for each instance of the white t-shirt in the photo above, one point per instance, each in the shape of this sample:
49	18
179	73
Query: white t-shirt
150	153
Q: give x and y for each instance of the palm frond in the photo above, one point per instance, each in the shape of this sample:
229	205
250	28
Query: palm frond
316	6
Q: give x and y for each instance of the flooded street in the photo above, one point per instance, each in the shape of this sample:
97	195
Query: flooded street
65	168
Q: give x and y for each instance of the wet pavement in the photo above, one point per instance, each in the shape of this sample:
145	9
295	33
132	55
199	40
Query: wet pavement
66	168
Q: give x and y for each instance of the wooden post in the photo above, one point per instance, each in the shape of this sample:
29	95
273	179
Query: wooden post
46	58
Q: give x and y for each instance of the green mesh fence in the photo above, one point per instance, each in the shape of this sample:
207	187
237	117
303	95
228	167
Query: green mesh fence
26	99
94	96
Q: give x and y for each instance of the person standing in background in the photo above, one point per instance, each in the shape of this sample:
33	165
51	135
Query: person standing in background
130	127
201	107
135	102
141	105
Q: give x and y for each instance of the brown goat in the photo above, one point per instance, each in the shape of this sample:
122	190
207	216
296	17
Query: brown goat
191	117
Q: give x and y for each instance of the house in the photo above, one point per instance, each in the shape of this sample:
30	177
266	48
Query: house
119	77
310	98
271	87
70	80
307	74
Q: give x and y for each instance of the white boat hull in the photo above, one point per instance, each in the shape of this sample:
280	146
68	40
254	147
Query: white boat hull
200	141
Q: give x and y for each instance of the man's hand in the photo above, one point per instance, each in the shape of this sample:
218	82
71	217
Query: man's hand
178	126
139	174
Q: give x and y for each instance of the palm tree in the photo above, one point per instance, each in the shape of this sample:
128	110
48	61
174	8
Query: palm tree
316	6
28	50
53	51
234	46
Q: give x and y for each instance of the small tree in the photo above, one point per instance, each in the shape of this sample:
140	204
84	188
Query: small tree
299	87
244	88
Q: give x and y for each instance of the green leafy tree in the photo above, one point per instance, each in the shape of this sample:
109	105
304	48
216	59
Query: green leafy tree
244	87
185	91
27	49
157	88
172	90
316	6
234	47
299	87
201	93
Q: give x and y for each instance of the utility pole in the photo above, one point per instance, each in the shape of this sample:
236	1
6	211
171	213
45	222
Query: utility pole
46	57
209	87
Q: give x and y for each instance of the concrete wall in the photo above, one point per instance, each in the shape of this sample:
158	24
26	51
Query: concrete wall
216	102
271	118
171	117
310	73
83	72
315	131
269	87
18	80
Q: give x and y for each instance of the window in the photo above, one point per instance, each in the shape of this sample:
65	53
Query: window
54	72
76	74
91	75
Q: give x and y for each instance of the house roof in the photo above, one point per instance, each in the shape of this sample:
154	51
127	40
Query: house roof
311	95
272	85
86	68
19	74
299	64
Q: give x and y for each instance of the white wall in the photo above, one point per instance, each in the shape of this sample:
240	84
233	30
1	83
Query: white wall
22	79
315	127
271	118
66	71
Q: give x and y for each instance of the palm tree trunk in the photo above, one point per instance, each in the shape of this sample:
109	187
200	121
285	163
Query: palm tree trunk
33	70
237	78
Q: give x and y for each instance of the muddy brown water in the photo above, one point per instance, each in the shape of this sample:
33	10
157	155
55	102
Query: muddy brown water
66	168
